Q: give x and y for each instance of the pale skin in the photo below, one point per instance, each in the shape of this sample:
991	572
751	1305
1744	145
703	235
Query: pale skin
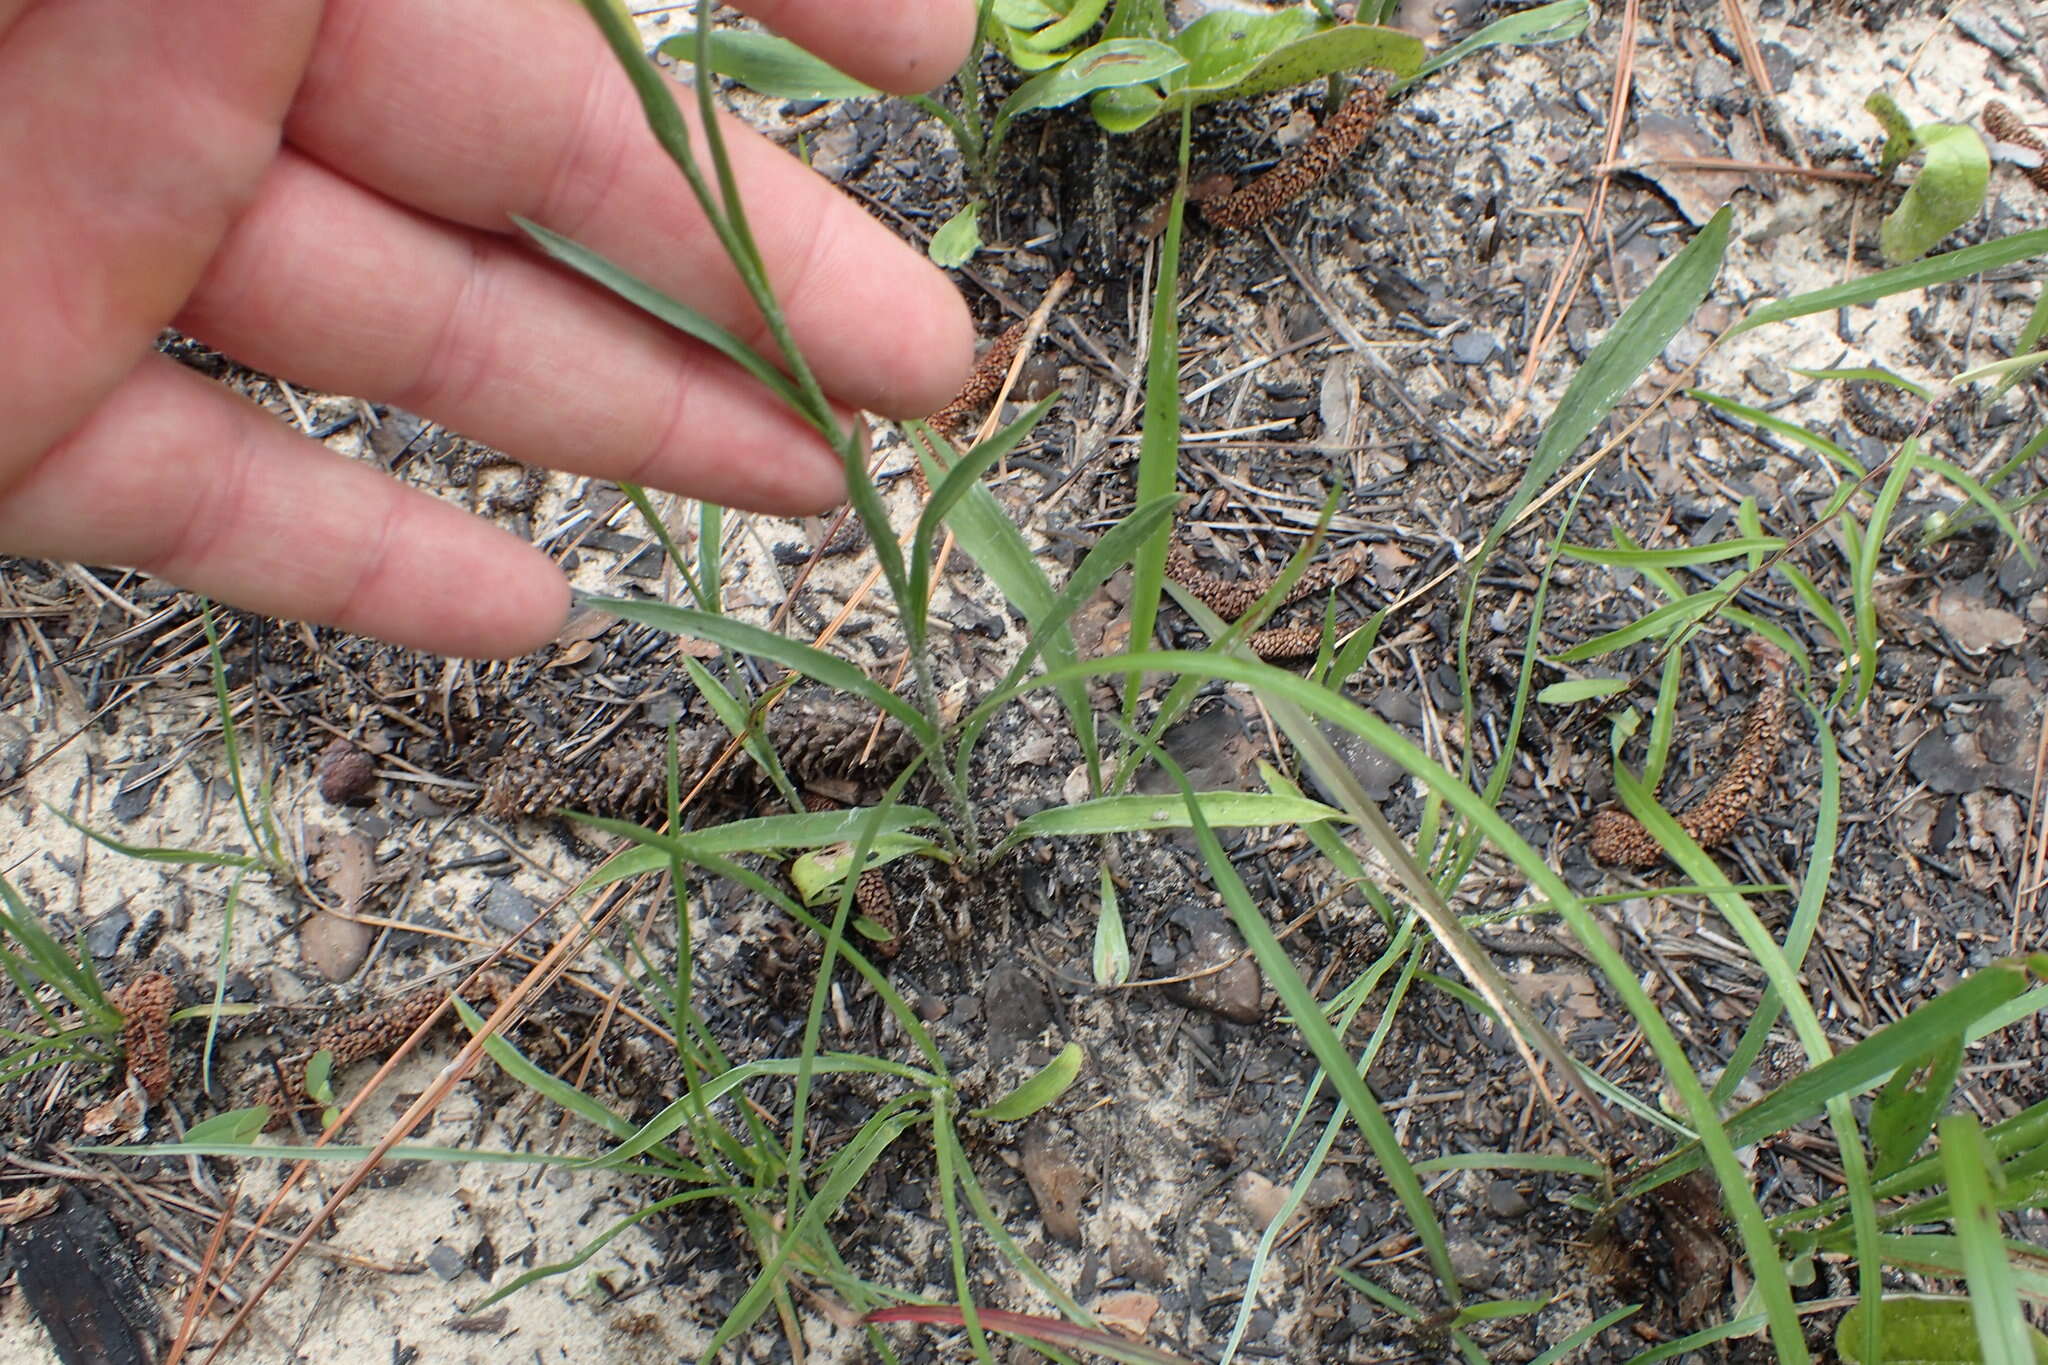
324	191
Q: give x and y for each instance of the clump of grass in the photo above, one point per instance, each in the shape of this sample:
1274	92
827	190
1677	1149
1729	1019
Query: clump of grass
742	1133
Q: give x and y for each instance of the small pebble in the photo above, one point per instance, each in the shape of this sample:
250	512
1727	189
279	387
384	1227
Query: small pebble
345	773
446	1262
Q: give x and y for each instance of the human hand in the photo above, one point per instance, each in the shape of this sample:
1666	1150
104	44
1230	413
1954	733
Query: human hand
324	191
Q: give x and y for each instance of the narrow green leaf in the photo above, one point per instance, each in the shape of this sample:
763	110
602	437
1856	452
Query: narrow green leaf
2002	1331
1955	265
1046	1085
747	638
1112	956
1573	690
1665	620
1558	22
1855	1069
768	65
1678	557
676	314
1124	814
1640	336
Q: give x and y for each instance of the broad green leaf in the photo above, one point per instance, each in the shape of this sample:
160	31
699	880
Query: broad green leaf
1138	19
1238	54
1348	47
1921	1330
818	872
320	1076
1947	195
957	239
1026	14
769	65
1118	61
1060	32
1050	1082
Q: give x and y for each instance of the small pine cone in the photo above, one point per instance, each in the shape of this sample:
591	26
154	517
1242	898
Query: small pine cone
345	773
981	386
1287	642
1232	598
874	899
146	1004
627	779
1620	840
1741	787
819	735
1228	598
1318	579
1302	169
361	1036
1874	410
2006	126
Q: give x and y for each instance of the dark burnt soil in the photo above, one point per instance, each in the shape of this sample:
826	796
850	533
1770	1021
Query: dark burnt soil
1156	1173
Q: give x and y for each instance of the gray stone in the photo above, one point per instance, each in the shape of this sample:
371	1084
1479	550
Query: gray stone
1504	1199
446	1262
1473	347
1236	993
508	909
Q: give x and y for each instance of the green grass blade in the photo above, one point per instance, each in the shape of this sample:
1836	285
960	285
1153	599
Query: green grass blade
1856	1069
1637	339
950	487
747	638
1954	265
1307	1014
1159	439
848	1167
1125	814
677	314
1994	1302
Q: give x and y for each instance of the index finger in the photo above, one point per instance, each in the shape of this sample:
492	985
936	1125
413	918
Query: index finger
902	45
